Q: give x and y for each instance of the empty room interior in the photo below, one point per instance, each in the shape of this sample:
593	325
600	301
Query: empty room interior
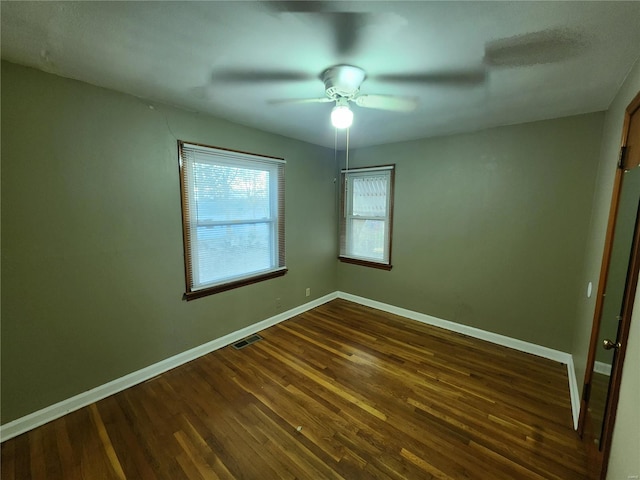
308	240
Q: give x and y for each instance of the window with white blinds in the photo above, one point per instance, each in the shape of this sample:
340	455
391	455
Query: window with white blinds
367	207
233	218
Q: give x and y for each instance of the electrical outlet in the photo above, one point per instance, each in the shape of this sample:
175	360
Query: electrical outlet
632	477
278	303
307	292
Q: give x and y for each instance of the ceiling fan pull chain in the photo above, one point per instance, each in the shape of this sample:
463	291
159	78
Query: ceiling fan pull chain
335	146
348	129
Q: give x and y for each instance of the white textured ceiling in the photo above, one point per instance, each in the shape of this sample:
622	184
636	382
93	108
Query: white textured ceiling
229	59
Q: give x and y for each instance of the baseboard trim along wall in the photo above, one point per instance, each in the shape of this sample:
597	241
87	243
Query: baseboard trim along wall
540	351
603	368
57	410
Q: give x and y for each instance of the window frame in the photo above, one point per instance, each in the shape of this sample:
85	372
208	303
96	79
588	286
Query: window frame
346	201
277	219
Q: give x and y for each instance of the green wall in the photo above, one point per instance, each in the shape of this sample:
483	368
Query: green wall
489	232
489	227
92	255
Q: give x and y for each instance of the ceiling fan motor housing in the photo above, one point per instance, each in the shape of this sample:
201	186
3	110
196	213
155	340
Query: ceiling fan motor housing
342	81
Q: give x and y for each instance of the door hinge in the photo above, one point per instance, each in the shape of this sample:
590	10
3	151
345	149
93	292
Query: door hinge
623	155
586	392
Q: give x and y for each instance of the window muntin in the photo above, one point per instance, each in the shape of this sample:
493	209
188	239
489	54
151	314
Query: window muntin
367	203
233	218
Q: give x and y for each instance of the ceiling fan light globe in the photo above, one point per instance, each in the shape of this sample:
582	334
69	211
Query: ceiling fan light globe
341	116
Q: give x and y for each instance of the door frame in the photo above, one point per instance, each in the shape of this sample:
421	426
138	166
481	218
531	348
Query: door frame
627	308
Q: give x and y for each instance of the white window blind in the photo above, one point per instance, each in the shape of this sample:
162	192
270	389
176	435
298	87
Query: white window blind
233	217
367	213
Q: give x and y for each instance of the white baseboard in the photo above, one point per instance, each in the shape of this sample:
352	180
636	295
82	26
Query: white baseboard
498	339
57	410
574	392
602	368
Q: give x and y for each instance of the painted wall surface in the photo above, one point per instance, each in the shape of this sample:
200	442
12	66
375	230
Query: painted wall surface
609	154
489	227
92	254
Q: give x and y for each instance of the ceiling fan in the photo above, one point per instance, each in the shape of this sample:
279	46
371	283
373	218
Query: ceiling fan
342	86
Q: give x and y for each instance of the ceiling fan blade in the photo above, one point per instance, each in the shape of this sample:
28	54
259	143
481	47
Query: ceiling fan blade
546	46
346	27
300	100
461	78
256	76
345	24
297	6
387	102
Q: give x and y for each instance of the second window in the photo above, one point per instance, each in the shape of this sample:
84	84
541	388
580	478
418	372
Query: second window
366	220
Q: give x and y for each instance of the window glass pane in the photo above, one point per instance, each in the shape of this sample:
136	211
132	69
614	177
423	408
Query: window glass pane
233	250
370	195
367	238
231	193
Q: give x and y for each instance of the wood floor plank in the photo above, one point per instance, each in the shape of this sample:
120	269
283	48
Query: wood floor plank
8	461
69	461
114	461
339	392
37	454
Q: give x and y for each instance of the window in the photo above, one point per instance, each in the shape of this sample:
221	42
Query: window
232	217
367	208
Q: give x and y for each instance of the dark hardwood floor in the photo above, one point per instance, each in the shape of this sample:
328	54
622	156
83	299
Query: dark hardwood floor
340	392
